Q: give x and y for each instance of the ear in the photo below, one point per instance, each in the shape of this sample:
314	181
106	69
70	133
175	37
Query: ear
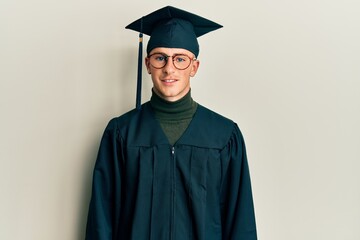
147	64
194	67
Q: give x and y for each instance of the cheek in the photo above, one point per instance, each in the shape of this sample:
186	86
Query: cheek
155	75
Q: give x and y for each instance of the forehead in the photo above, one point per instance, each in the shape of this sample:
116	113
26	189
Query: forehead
171	51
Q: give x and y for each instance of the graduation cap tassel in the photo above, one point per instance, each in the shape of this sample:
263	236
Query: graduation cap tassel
139	73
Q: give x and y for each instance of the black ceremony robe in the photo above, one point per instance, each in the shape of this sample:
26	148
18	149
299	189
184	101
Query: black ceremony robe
144	188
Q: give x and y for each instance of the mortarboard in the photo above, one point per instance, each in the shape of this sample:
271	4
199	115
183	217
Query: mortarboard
169	27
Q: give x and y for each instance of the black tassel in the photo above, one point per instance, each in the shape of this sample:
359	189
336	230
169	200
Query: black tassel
139	73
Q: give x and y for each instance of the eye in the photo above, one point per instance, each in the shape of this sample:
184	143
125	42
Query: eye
181	58
159	57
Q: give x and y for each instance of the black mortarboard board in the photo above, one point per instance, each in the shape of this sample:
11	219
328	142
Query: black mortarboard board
172	28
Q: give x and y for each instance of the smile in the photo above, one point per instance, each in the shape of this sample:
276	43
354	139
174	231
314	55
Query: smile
169	80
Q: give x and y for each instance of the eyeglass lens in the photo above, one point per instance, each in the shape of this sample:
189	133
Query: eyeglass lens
159	60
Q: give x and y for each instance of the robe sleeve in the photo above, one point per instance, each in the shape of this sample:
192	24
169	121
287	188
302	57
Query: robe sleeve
105	205
237	209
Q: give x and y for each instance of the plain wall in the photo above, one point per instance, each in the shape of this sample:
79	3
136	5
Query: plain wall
288	72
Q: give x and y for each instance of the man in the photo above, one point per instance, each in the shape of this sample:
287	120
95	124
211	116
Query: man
171	169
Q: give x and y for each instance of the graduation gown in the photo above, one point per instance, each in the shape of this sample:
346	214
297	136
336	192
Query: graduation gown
145	188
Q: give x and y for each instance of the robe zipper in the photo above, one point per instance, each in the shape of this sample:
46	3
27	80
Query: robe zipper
172	219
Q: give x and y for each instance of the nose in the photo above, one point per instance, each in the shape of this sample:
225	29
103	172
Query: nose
169	66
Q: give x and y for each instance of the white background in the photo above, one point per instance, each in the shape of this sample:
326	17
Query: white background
286	71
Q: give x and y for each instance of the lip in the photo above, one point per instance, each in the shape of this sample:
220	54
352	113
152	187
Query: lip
169	81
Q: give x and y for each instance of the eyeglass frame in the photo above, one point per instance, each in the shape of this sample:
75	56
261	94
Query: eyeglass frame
172	57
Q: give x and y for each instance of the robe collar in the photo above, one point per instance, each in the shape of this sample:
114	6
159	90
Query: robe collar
145	130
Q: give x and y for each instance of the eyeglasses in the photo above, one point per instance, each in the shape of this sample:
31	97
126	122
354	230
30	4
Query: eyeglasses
180	61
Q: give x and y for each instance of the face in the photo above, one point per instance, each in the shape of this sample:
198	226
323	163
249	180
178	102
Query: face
169	82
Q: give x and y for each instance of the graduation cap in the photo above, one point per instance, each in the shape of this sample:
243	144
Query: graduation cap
169	27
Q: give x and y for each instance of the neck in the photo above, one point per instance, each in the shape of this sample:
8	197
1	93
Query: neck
183	108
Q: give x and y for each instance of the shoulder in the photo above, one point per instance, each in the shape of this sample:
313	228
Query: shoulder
214	117
212	129
125	118
222	128
134	125
123	121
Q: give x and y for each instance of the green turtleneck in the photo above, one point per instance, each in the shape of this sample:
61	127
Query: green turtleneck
174	117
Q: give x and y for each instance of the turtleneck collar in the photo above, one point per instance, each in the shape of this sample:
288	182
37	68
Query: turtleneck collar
181	109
